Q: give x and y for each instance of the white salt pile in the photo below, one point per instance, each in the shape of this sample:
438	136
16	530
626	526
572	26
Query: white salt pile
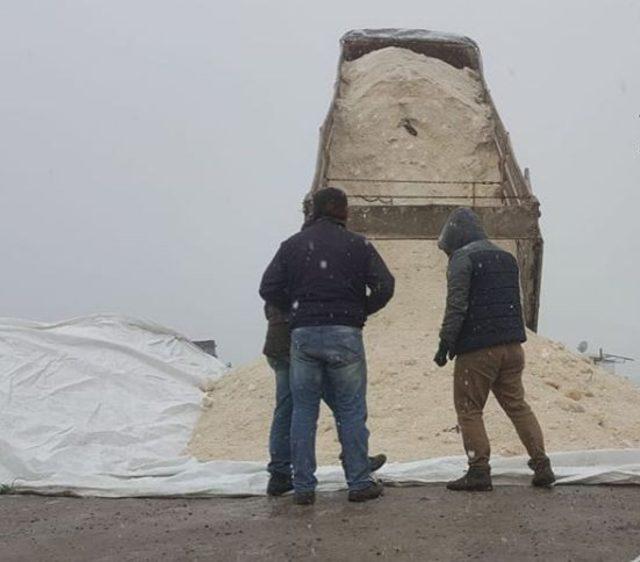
411	413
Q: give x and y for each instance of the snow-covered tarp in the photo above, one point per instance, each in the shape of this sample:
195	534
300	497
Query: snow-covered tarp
105	406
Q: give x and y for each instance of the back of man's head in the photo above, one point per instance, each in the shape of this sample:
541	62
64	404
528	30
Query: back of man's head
330	202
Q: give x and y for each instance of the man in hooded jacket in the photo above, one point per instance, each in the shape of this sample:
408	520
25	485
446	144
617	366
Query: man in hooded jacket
483	329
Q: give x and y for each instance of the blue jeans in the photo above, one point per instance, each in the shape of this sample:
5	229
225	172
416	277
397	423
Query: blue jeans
279	436
334	356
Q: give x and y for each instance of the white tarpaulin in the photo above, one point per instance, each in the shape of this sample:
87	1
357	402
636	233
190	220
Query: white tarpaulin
105	406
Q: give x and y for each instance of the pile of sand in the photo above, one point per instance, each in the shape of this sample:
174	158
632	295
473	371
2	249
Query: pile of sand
403	116
410	400
400	115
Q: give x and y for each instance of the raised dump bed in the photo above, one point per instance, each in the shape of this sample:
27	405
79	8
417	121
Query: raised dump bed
412	133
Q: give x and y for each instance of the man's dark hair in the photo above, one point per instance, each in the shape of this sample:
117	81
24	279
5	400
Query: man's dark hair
330	202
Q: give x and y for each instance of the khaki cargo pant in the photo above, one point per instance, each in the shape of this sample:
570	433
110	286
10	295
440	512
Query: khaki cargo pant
497	369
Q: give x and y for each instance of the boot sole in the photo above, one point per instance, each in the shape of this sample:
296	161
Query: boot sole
475	489
304	502
545	484
361	500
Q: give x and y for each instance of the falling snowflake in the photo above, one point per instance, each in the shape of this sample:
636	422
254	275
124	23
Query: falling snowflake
323	264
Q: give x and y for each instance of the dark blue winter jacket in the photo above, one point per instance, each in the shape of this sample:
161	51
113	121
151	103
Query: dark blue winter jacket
483	288
327	275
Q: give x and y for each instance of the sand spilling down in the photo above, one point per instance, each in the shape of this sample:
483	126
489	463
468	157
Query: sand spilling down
402	117
410	401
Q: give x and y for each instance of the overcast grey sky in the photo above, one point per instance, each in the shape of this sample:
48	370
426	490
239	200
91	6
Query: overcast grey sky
154	152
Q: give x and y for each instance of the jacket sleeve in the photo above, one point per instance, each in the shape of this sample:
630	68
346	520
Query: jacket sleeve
458	284
379	281
275	315
273	287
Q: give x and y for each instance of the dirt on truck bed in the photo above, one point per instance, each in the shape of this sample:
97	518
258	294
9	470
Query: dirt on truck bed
417	523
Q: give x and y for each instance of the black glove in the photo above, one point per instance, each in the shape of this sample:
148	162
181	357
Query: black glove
441	356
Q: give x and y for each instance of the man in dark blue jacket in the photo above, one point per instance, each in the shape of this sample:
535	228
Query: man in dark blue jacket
330	279
276	349
483	329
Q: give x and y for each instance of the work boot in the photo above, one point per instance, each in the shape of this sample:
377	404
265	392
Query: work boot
543	476
375	463
369	493
475	480
279	484
304	498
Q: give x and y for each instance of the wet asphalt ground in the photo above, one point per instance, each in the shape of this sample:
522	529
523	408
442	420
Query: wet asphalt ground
418	523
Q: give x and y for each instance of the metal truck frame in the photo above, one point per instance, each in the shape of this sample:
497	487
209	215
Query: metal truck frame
513	215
